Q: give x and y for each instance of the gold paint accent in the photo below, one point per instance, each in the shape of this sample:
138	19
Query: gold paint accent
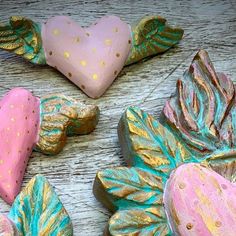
66	54
117	54
94	50
95	76
83	63
56	32
218	224
182	185
115	29
102	63
77	40
108	42
88	34
189	226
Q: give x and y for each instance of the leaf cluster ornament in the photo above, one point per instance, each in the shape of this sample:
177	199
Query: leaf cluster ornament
37	210
90	57
28	123
169	186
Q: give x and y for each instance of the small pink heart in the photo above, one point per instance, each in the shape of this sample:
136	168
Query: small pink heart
198	201
90	57
19	126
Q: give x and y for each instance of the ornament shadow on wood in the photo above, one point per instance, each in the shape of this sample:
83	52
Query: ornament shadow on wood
170	185
37	210
42	124
90	57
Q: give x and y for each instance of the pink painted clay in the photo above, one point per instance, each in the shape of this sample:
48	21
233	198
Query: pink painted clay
19	126
200	202
90	57
7	228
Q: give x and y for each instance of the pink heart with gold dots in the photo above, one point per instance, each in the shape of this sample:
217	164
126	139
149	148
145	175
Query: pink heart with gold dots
90	57
19	115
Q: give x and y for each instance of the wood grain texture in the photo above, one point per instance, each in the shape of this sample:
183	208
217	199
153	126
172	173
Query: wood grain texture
209	24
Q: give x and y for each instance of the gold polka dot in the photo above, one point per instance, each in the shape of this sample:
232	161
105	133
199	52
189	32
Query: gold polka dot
69	74
50	53
115	29
66	54
77	40
83	63
95	76
8	129
102	63
9	172
218	224
18	134
189	226
108	42
12	119
182	185
82	86
94	50
88	34
11	106
1	161
56	32
117	54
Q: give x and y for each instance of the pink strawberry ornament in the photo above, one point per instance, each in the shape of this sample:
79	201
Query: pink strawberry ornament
19	112
90	57
198	201
28	122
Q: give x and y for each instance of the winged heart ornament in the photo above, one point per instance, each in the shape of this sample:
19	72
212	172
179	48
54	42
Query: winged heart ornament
171	186
90	57
43	124
37	210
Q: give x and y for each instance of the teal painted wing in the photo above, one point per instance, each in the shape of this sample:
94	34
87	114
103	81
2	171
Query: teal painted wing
37	210
22	36
152	36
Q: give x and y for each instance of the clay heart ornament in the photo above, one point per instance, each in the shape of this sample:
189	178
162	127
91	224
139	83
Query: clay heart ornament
90	57
28	122
198	201
169	186
37	210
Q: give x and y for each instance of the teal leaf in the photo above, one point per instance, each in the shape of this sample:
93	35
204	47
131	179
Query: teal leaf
147	144
124	187
37	210
136	221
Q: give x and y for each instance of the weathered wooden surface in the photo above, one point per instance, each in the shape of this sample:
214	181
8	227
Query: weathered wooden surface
208	24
